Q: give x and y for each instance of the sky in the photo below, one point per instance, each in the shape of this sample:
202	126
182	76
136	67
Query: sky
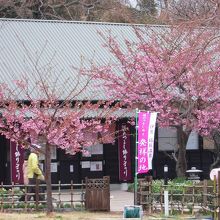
134	2
158	2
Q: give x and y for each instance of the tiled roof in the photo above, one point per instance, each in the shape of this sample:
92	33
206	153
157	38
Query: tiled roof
54	50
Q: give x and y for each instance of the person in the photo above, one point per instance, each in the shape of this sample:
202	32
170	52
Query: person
34	172
27	152
24	168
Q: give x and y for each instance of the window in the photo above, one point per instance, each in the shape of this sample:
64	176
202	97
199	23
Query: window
167	139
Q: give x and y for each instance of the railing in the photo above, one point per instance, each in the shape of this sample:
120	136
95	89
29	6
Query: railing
65	197
182	198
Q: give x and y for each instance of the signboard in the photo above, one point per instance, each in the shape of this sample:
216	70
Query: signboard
53	167
71	168
146	130
124	153
96	166
85	164
17	160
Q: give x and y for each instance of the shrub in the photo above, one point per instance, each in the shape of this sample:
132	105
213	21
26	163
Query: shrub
131	187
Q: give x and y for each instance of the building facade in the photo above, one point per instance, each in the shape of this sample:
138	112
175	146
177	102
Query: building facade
104	159
59	46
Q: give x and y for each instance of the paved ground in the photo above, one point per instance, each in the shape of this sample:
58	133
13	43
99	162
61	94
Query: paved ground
120	198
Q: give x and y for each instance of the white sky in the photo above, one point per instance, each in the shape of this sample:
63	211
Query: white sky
134	2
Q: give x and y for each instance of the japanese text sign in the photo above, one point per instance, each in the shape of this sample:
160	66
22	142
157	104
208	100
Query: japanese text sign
146	130
124	153
17	160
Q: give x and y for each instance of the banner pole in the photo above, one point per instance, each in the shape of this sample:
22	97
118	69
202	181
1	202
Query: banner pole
136	158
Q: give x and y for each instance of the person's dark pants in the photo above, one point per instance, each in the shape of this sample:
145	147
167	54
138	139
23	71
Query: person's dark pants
22	198
32	189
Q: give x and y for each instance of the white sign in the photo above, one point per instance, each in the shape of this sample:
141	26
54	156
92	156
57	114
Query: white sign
71	169
53	167
96	166
85	164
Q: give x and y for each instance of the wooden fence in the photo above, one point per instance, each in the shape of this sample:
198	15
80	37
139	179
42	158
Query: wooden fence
182	198
94	194
65	197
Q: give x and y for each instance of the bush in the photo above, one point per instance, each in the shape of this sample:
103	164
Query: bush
8	193
3	193
131	187
176	188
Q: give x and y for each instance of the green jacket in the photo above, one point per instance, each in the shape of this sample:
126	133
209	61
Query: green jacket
33	169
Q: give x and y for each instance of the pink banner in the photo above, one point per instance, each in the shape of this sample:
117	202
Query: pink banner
124	153
146	130
17	160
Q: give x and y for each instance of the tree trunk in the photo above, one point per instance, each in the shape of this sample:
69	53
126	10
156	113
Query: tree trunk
48	178
164	12
181	164
216	138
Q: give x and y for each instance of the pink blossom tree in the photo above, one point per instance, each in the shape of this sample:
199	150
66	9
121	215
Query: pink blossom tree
172	70
65	123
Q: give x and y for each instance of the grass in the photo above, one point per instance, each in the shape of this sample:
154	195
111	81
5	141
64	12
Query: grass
61	216
77	216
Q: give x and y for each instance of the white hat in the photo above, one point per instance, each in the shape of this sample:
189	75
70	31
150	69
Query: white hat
36	146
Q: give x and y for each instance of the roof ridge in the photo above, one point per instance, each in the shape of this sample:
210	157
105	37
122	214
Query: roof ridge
81	22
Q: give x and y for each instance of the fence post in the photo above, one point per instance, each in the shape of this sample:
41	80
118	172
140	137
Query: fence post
215	197
166	194
205	191
150	198
161	198
2	199
37	193
25	198
82	196
71	189
183	199
218	191
59	193
12	194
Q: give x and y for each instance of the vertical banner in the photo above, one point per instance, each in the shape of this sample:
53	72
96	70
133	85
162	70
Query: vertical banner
146	130
124	153
17	160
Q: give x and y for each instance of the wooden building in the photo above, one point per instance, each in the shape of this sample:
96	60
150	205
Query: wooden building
104	161
60	46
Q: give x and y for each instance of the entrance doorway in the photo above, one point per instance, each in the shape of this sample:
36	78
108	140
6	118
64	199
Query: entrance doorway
3	159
